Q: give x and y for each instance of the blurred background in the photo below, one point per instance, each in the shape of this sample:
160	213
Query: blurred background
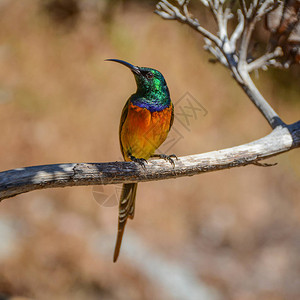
233	234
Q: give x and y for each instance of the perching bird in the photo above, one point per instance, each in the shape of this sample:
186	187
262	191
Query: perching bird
145	123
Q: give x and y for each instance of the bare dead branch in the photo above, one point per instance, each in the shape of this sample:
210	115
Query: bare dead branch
243	7
254	14
238	30
169	11
265	60
265	165
265	8
233	51
22	180
258	100
215	51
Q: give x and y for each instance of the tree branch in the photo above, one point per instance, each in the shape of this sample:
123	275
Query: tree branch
265	60
238	30
233	51
22	180
170	12
257	98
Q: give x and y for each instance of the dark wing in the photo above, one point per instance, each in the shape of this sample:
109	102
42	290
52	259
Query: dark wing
172	117
123	118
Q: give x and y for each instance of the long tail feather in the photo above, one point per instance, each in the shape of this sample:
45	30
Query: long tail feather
126	210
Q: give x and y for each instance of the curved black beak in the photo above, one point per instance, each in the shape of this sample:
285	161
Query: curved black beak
133	68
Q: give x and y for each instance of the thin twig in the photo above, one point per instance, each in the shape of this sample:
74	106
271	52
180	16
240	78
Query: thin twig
192	22
238	30
225	49
243	8
264	60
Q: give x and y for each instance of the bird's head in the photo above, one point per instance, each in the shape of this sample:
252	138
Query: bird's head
150	82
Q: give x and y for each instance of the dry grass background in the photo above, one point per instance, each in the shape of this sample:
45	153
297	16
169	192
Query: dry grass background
236	231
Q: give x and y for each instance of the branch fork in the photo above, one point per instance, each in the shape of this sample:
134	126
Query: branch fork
233	51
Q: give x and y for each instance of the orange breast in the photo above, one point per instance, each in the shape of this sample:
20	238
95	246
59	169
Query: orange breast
144	131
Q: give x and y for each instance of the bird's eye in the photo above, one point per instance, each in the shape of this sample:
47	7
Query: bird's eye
149	75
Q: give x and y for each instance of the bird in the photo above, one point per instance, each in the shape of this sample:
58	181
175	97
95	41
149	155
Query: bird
146	120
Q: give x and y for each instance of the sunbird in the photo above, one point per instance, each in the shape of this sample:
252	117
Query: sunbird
146	120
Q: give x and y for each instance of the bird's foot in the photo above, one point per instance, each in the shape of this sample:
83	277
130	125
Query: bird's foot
166	157
141	161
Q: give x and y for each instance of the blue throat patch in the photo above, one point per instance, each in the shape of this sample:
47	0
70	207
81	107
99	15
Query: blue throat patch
151	105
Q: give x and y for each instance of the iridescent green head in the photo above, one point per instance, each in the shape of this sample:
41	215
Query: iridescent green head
152	91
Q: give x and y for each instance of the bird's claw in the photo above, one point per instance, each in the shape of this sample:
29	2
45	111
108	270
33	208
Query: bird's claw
141	161
167	158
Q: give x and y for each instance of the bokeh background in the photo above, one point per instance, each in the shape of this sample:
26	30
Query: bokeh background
233	234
